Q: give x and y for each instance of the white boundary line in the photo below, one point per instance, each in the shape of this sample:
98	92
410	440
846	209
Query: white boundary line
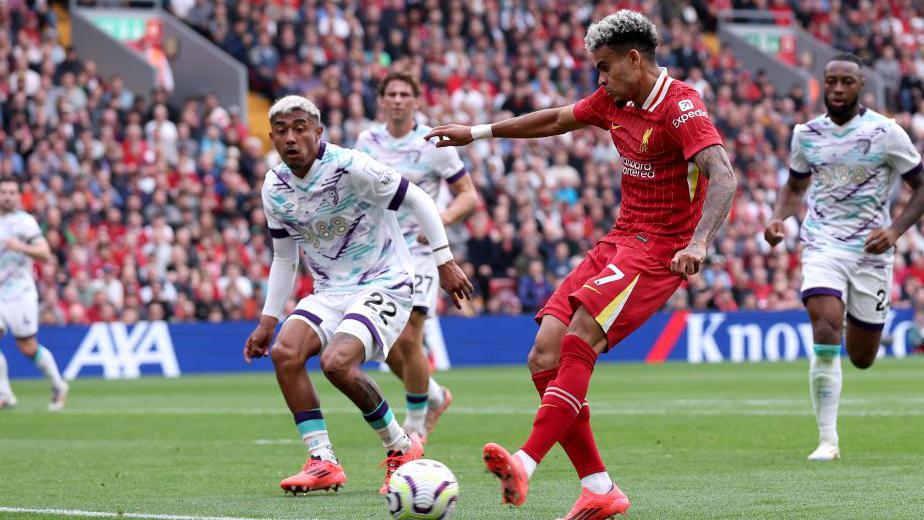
731	411
105	514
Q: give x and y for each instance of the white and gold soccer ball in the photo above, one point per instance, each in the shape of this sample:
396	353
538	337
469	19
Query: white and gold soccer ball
422	489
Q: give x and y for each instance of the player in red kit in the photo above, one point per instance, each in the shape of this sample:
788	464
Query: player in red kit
670	212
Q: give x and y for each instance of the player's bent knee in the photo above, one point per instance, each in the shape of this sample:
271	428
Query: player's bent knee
286	355
542	357
826	332
863	361
337	366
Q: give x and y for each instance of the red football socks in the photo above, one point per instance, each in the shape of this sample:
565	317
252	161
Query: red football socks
563	399
578	441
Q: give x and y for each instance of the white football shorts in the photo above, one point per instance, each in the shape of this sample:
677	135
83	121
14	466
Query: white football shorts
426	284
863	284
374	315
20	316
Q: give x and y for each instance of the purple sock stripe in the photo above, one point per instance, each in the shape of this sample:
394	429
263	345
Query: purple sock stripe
313	318
399	195
278	233
365	321
309	415
820	291
378	413
875	327
416	398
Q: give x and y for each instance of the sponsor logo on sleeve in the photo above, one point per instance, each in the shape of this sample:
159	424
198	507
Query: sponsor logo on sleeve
685	105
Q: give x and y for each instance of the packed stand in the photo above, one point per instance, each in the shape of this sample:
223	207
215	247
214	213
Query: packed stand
153	211
545	202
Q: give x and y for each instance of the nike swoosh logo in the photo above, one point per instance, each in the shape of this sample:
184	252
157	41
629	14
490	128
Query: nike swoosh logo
615	127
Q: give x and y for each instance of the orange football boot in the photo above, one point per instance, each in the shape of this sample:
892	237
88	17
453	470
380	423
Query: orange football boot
395	459
593	506
316	475
510	471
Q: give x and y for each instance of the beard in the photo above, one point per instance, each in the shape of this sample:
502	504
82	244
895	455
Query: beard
844	110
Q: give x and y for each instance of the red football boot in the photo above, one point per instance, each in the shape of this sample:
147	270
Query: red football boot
510	471
316	475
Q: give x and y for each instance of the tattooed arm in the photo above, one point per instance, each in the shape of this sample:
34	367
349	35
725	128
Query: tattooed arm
713	162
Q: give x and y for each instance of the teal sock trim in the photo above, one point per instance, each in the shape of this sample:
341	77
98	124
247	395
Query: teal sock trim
38	354
416	401
380	424
827	351
311	426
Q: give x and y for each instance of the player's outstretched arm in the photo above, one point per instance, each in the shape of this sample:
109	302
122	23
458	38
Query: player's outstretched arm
788	204
881	240
452	279
542	123
713	162
279	285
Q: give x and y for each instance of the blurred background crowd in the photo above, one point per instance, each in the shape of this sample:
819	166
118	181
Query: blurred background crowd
153	210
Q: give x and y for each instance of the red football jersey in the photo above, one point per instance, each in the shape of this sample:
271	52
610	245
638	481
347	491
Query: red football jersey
662	192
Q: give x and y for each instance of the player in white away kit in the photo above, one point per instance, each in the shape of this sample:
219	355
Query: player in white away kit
338	206
21	242
399	143
848	160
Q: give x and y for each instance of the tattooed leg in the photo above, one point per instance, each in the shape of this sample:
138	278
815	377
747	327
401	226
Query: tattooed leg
341	362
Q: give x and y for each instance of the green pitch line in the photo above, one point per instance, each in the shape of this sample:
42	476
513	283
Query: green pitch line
722	441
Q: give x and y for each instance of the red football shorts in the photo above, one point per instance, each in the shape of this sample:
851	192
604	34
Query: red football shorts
620	287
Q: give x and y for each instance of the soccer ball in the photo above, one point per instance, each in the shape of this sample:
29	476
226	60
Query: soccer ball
422	489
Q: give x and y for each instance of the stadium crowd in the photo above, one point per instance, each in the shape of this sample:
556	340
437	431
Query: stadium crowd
153	211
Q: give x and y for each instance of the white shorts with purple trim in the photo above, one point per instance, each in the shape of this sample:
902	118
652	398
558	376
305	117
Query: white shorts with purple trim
864	284
375	315
426	284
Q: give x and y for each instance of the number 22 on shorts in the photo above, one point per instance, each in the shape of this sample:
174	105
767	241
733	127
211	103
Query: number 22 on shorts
617	275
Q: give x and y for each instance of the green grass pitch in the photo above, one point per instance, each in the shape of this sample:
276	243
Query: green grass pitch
683	441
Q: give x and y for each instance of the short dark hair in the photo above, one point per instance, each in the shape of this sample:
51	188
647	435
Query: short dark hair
14	180
399	76
847	56
622	31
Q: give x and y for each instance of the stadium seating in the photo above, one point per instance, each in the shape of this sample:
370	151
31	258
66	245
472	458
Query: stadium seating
153	210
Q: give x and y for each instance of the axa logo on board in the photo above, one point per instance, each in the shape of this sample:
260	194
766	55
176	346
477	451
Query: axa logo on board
120	353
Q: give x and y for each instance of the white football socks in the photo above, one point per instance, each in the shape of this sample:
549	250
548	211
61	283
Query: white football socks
598	483
319	445
825	383
528	463
434	394
46	363
5	390
415	420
